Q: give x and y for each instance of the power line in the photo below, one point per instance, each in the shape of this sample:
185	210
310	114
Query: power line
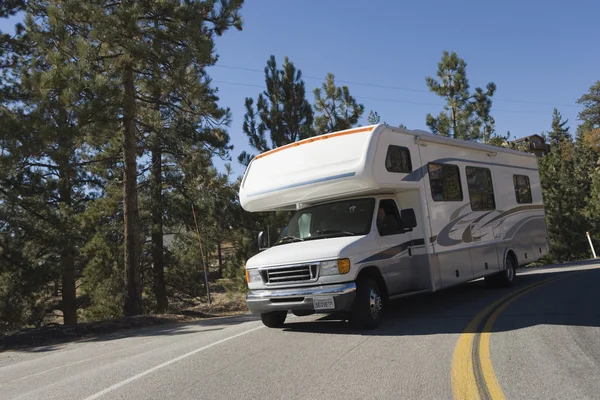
387	100
400	88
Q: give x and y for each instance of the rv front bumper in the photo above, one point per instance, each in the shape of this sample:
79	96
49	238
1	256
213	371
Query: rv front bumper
302	299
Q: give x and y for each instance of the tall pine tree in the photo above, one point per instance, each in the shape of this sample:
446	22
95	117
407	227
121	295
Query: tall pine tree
373	118
55	108
560	130
589	139
154	53
281	111
466	115
337	109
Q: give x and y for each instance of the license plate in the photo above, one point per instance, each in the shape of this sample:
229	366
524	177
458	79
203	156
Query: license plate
323	303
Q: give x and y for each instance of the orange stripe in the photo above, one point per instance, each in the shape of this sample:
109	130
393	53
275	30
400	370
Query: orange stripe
314	139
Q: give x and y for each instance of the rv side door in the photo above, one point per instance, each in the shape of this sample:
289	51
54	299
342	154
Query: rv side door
395	243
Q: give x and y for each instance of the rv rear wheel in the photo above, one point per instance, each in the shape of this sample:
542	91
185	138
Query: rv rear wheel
506	277
368	303
274	319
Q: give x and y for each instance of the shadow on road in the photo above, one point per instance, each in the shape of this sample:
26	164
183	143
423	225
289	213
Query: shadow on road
48	340
572	301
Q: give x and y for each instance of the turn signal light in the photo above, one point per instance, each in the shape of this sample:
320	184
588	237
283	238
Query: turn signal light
343	266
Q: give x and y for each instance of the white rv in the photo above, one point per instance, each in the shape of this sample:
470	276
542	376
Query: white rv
384	212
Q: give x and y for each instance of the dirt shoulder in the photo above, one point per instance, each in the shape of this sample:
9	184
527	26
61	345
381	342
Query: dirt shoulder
56	334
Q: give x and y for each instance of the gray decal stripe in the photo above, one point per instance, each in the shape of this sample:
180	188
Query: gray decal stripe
476	220
457	212
443	238
467	235
395	250
515	228
513	211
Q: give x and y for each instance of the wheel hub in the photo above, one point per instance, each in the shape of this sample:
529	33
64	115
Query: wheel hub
510	272
375	303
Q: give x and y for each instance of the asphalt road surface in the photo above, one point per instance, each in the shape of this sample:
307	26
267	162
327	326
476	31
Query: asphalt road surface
537	340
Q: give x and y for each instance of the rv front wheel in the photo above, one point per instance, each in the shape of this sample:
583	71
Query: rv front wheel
274	319
368	304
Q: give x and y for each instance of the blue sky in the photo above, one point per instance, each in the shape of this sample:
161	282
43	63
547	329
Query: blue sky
539	54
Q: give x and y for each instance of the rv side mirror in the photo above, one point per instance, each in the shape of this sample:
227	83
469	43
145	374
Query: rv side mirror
409	220
262	241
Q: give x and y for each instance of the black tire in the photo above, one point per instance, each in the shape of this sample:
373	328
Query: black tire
367	310
302	313
274	319
506	277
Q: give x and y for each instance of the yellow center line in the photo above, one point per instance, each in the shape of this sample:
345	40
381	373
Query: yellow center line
463	375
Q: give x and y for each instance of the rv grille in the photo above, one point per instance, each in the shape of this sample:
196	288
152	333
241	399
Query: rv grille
290	274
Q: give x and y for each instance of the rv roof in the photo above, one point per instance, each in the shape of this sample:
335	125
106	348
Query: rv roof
430	137
422	135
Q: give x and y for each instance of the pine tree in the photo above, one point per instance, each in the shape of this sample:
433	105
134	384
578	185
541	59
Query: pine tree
565	175
559	130
337	108
466	116
373	118
54	109
175	76
282	110
588	138
131	43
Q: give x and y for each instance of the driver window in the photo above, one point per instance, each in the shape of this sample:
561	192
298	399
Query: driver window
388	218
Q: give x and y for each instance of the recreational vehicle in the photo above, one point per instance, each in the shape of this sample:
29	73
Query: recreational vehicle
379	212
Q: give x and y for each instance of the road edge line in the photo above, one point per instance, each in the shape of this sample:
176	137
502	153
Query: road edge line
166	363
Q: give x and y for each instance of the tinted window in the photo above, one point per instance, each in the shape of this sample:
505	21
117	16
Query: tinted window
522	189
445	182
481	189
388	218
398	160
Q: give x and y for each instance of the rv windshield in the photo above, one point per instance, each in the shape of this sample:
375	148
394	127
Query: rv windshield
341	218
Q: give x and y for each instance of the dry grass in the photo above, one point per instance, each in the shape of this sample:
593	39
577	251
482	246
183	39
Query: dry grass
224	303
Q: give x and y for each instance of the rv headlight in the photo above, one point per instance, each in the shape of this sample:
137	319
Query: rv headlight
334	267
253	275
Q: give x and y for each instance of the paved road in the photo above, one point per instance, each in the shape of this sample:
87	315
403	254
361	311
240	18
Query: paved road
540	339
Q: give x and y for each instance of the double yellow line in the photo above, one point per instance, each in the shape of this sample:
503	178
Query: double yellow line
472	372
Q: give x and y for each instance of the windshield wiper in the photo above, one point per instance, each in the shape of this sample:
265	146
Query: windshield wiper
330	232
288	239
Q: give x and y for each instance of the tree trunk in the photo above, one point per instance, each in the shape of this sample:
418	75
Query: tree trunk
133	290
69	292
158	268
160	290
67	260
455	134
220	254
67	252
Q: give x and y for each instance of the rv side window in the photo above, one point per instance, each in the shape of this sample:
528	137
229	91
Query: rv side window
522	189
481	189
388	218
444	180
398	160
